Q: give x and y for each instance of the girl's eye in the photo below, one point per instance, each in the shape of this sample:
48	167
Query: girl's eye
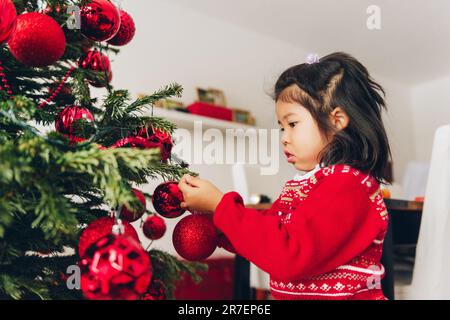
292	124
281	129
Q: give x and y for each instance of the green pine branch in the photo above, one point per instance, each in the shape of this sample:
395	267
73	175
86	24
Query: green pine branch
170	270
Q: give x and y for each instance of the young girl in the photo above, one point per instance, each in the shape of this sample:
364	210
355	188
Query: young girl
322	238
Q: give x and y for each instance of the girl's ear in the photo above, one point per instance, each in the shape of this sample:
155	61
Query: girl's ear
339	119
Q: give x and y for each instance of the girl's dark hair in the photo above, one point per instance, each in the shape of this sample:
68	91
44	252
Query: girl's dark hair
338	79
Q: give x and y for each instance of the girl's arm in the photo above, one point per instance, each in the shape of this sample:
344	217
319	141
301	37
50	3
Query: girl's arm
334	224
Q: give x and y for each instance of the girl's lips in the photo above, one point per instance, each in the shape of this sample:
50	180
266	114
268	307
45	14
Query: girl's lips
290	157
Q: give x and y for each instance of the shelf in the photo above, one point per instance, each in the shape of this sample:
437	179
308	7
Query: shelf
186	120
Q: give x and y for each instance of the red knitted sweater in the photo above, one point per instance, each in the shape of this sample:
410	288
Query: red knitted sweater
321	239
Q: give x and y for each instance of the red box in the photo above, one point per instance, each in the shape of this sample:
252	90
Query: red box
217	282
211	110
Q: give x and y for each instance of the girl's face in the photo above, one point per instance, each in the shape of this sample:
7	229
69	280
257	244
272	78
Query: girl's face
301	137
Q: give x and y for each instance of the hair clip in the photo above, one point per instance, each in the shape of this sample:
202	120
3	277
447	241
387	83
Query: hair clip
312	58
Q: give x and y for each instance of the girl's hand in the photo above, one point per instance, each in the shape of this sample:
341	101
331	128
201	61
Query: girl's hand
199	195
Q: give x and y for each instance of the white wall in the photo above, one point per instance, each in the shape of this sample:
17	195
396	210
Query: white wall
431	109
175	44
399	124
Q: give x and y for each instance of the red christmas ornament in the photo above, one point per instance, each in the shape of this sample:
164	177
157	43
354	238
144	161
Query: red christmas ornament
115	267
132	142
8	18
71	120
94	60
100	20
38	40
195	237
167	199
100	228
131	215
158	139
154	227
155	291
223	242
126	30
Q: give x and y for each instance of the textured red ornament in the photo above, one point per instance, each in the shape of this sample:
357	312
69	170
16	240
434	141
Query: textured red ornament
68	120
126	30
223	242
8	17
167	199
158	139
98	229
155	291
94	60
100	20
195	237
154	227
132	142
116	267
131	215
38	40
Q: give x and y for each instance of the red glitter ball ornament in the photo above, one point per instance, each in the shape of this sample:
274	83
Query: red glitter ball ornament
195	237
8	19
131	215
38	40
154	227
98	229
126	30
72	123
100	20
158	139
94	60
167	199
115	267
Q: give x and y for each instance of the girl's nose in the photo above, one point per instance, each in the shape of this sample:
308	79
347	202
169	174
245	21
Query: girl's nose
284	139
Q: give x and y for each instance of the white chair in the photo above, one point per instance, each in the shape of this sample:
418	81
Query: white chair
431	276
415	179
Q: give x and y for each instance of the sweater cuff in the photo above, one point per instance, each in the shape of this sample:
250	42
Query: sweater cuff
225	207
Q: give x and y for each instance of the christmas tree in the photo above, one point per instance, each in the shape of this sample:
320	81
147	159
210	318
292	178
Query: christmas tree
68	193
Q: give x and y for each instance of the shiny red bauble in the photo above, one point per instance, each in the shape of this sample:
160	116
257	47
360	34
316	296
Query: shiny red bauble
115	267
94	60
158	139
72	122
98	229
131	215
100	20
167	199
